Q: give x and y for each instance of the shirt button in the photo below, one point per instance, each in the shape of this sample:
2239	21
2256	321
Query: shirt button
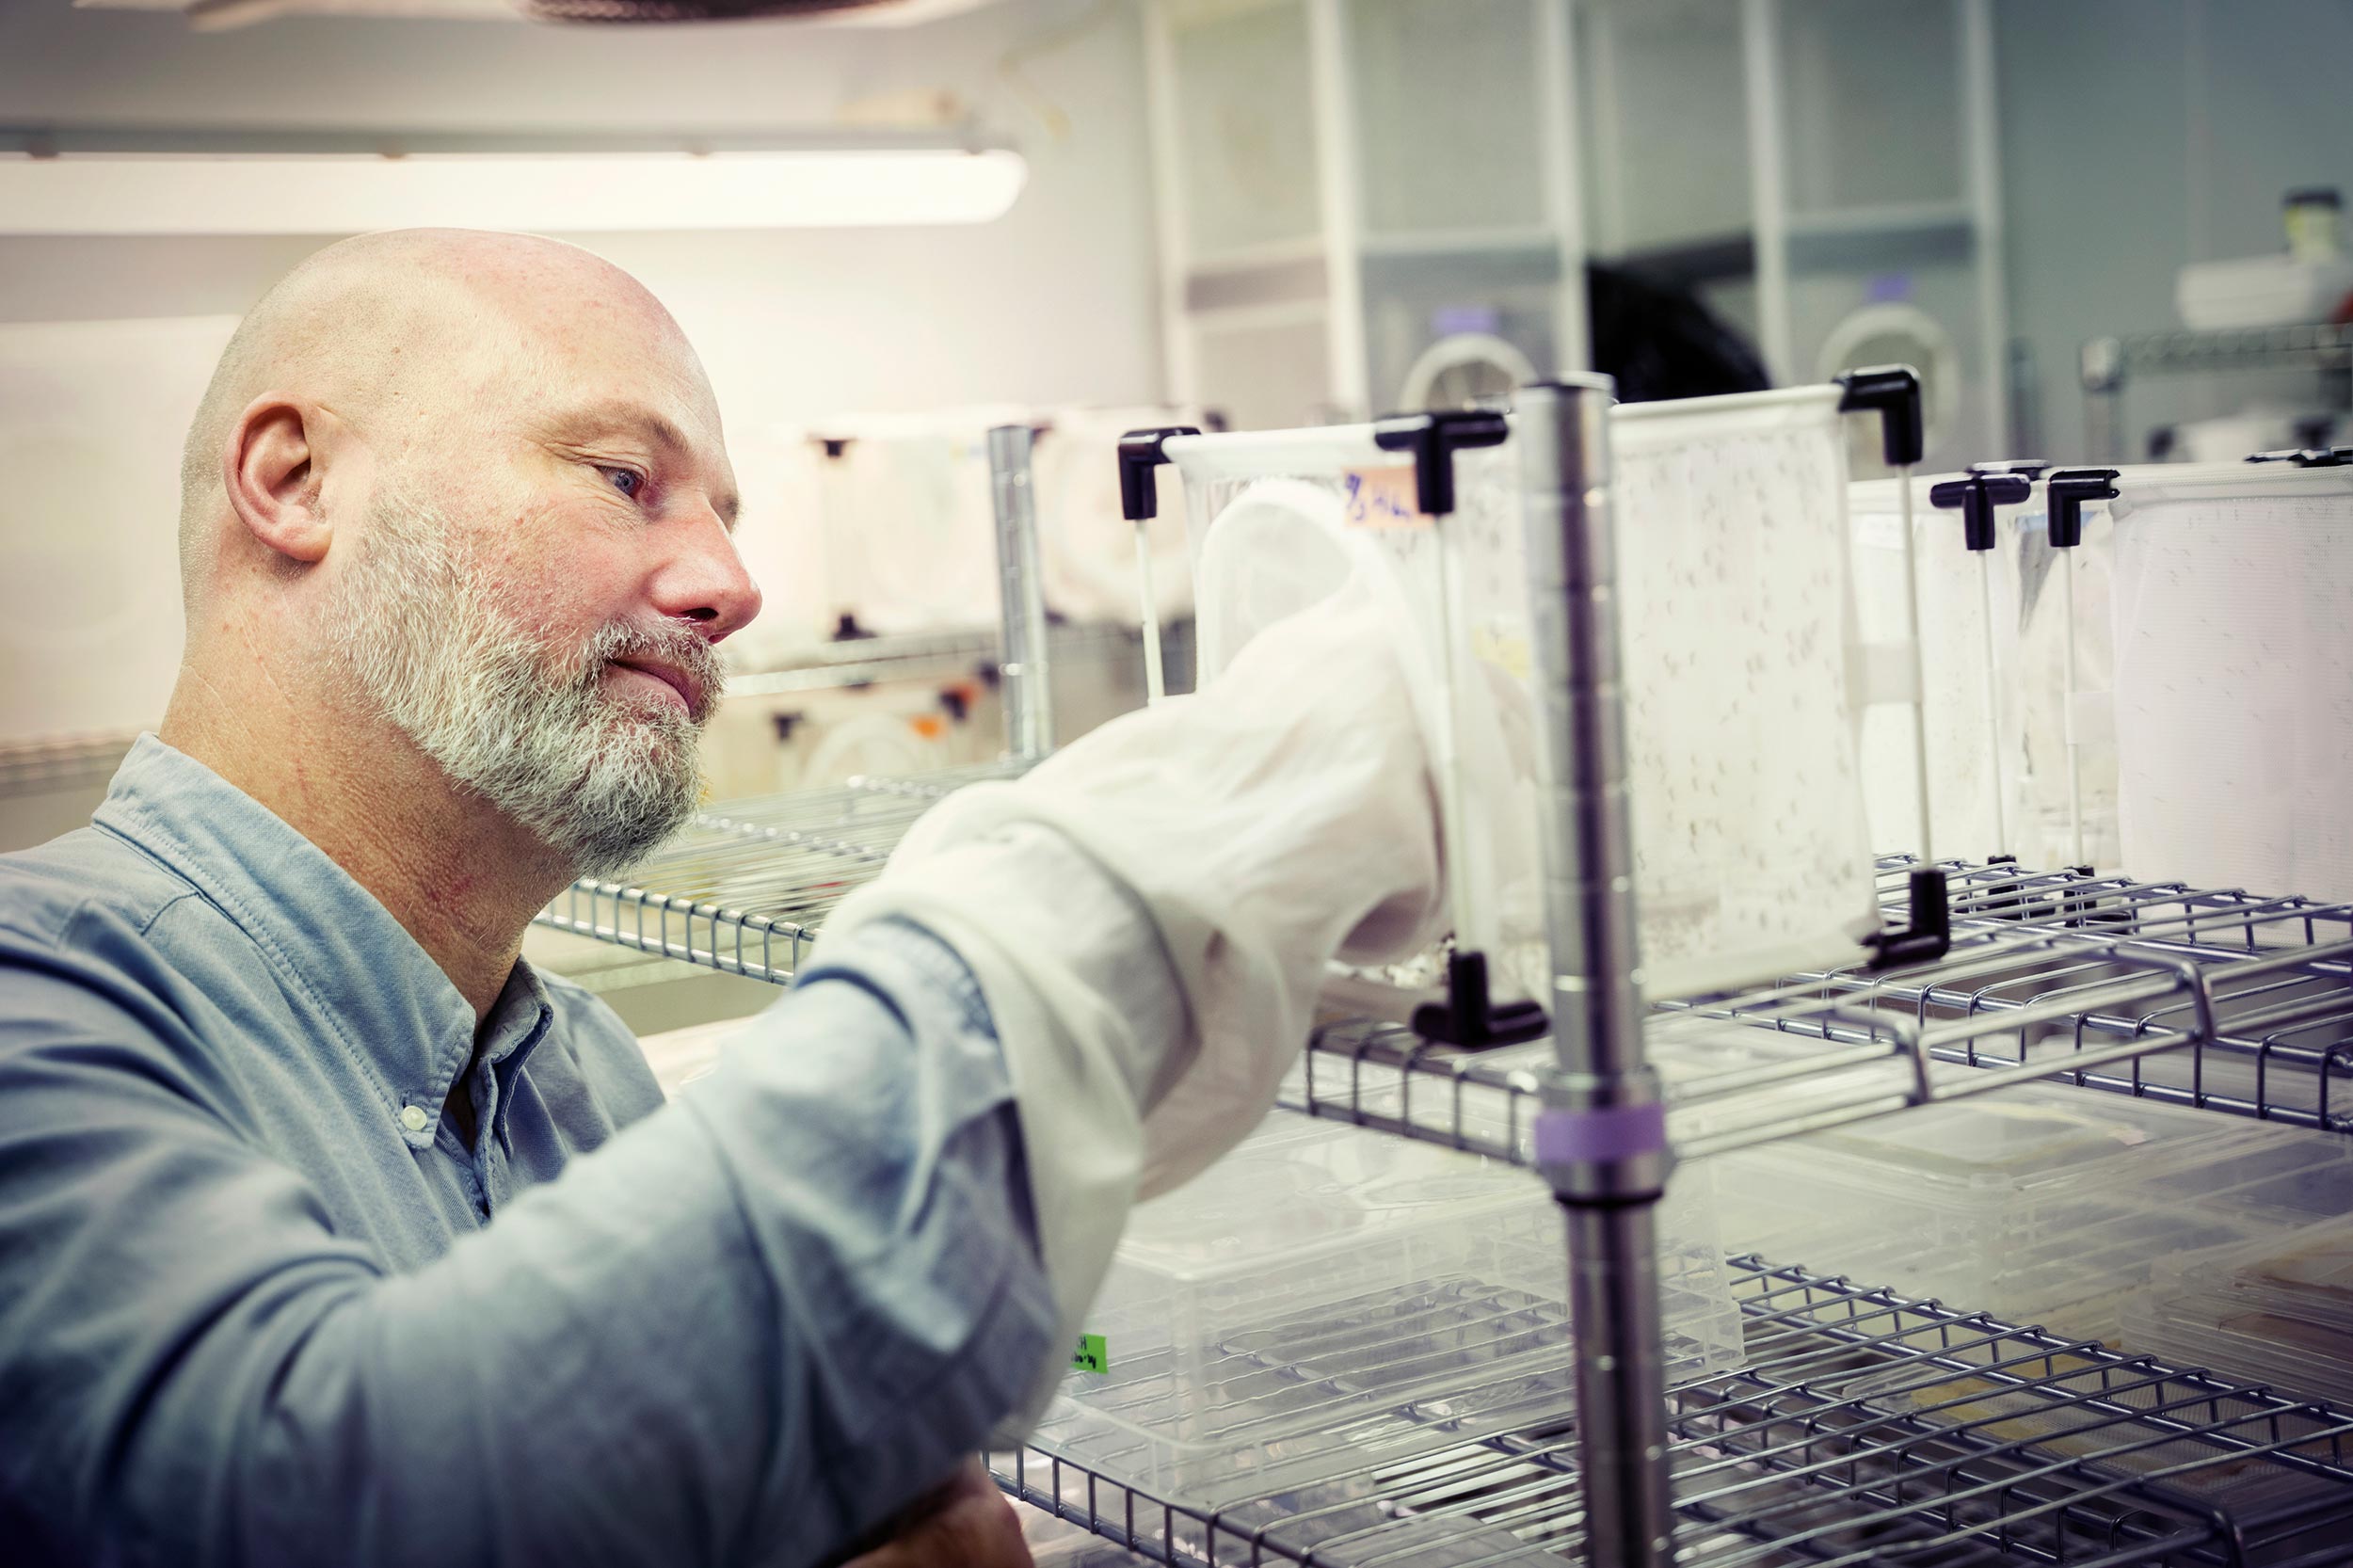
414	1118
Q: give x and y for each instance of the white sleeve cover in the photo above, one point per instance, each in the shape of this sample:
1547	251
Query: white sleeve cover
1150	913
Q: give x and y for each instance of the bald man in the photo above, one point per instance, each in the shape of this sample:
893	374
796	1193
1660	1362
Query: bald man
332	1233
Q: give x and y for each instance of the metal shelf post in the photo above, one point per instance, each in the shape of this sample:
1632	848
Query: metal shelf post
1602	1136
1028	677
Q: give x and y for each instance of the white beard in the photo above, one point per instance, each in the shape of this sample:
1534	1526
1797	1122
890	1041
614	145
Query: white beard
600	778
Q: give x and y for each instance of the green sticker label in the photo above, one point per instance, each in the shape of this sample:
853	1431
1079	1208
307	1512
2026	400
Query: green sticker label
1092	1356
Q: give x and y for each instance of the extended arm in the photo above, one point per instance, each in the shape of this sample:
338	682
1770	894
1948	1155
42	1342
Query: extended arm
744	1331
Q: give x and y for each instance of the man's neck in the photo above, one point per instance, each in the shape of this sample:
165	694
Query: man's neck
461	877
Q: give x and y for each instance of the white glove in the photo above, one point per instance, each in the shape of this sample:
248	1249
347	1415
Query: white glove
1150	912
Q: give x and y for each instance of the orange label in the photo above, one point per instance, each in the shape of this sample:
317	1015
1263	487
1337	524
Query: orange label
1382	498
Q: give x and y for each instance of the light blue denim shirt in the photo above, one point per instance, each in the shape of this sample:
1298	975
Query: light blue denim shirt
258	1304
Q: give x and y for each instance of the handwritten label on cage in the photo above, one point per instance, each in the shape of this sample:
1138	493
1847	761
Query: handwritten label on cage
1092	1354
1381	498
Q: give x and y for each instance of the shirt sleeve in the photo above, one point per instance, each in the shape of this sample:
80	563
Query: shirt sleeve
744	1331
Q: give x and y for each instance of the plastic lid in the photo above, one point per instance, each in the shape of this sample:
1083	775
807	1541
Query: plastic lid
2030	1134
1293	1189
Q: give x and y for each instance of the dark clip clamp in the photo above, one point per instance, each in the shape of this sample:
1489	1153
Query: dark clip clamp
1928	935
1140	452
2065	494
1894	392
1976	496
1470	1017
1433	438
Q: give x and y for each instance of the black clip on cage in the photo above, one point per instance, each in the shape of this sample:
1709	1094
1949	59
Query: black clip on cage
1976	497
2310	457
1140	452
1893	393
2065	494
1470	1017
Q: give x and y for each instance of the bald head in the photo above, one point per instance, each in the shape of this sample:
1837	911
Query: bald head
416	338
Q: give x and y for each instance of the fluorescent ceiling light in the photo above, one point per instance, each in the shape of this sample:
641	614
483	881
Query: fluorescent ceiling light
211	184
895	13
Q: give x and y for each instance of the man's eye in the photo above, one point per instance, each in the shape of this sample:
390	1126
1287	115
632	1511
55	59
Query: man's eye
628	481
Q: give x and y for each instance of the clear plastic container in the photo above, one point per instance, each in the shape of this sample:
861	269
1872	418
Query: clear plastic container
2042	1204
2279	1311
1326	1297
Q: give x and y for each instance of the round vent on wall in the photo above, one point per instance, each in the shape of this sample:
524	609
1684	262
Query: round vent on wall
1893	333
1463	371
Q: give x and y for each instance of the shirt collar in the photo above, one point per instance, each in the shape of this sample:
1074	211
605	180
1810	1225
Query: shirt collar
385	1001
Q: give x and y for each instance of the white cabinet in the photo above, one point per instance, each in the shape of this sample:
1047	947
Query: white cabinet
1344	182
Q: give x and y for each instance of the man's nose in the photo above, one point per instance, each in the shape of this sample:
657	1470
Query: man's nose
704	582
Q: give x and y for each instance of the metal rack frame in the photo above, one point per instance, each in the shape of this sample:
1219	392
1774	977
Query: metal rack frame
918	655
61	761
745	889
1866	1427
2104	364
2220	998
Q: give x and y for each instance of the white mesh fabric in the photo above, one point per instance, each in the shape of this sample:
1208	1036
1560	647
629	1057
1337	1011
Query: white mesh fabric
1750	854
2234	689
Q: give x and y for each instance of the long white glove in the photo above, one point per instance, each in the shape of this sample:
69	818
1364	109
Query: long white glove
1150	913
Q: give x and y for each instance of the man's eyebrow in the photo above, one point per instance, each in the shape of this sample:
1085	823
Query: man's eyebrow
631	417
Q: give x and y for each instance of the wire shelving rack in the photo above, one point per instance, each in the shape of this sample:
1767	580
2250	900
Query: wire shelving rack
2107	365
58	761
1863	1426
2213	998
913	655
745	889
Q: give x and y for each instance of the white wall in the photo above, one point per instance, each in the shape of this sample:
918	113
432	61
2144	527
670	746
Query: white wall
2142	134
1053	303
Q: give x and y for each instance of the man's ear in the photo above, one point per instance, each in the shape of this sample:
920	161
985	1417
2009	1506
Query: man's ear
270	470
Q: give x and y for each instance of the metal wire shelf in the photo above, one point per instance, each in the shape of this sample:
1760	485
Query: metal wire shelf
2218	999
56	761
2106	364
1865	1428
921	655
2213	998
2235	348
745	889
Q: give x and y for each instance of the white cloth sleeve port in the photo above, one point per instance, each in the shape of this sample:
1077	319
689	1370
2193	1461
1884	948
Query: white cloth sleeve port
1150	913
